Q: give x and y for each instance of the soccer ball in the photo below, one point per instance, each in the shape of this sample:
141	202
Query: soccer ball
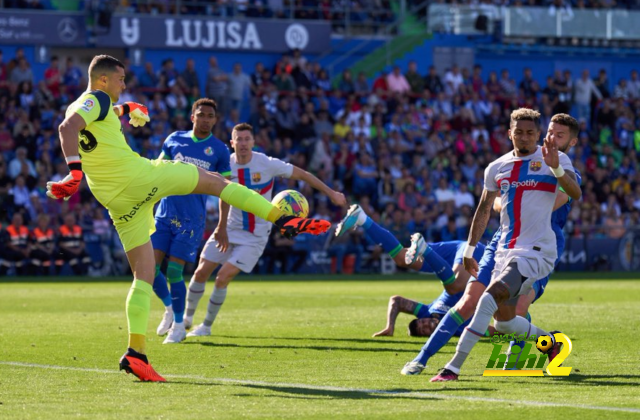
544	343
292	203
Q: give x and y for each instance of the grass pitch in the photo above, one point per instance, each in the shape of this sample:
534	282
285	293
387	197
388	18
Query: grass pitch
302	350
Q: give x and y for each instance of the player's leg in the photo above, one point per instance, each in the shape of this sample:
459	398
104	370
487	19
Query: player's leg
175	268
357	217
504	289
250	201
161	290
210	258
227	273
521	309
447	327
141	260
197	286
422	257
239	257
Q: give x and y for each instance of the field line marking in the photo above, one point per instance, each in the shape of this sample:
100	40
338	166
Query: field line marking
339	389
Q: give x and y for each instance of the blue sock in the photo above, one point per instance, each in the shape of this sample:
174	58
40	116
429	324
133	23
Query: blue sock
178	289
441	336
383	237
434	263
161	288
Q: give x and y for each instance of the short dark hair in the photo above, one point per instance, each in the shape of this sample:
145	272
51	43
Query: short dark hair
568	121
102	64
412	330
204	102
525	114
243	127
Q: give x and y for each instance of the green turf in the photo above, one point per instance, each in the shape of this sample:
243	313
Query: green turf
301	350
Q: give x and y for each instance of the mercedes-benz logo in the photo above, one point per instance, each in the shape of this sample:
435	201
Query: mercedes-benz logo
68	30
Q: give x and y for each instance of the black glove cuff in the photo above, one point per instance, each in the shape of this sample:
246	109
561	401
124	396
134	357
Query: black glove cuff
75	166
126	109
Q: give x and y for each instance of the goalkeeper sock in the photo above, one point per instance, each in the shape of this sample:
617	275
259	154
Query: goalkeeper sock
194	294
382	236
138	306
250	201
217	299
434	263
178	289
160	287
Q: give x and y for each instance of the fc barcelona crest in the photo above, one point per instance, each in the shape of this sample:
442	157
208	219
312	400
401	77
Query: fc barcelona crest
256	177
535	166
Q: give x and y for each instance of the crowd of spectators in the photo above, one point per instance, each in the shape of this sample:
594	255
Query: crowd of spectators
410	146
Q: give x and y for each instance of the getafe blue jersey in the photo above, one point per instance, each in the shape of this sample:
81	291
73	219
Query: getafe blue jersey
439	307
209	154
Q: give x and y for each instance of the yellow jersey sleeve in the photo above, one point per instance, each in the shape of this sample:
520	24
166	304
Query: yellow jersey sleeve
92	106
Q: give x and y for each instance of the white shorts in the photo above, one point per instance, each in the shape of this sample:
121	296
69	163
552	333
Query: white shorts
244	250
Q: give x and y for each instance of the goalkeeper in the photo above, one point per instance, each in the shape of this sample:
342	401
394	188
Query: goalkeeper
129	185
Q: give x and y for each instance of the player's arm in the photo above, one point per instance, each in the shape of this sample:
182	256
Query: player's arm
397	304
69	131
478	226
566	180
336	197
220	234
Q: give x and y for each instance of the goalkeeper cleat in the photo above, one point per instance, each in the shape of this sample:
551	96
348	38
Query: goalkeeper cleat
167	321
418	247
177	333
412	368
291	226
445	375
138	365
200	331
355	217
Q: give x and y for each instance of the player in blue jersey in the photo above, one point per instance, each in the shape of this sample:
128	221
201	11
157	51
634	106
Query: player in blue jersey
180	220
449	259
565	133
443	259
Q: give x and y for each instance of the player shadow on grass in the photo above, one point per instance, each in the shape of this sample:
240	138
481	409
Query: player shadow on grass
592	380
319	348
420	340
310	393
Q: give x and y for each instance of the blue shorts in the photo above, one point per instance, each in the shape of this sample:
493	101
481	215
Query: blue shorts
180	239
539	287
453	251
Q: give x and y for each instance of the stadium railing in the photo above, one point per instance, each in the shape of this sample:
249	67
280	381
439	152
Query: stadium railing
535	22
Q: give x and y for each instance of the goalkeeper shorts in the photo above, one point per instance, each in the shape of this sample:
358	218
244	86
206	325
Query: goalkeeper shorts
132	210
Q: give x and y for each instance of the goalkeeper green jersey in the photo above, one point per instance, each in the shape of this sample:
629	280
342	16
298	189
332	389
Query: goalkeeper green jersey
107	160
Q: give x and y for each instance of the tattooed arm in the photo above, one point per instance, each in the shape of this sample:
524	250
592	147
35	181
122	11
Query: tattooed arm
478	226
397	304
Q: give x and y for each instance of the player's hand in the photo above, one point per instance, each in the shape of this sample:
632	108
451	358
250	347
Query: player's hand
338	199
66	187
387	332
471	265
221	238
138	113
550	152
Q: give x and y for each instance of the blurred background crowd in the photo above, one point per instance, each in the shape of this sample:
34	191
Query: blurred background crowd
409	146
